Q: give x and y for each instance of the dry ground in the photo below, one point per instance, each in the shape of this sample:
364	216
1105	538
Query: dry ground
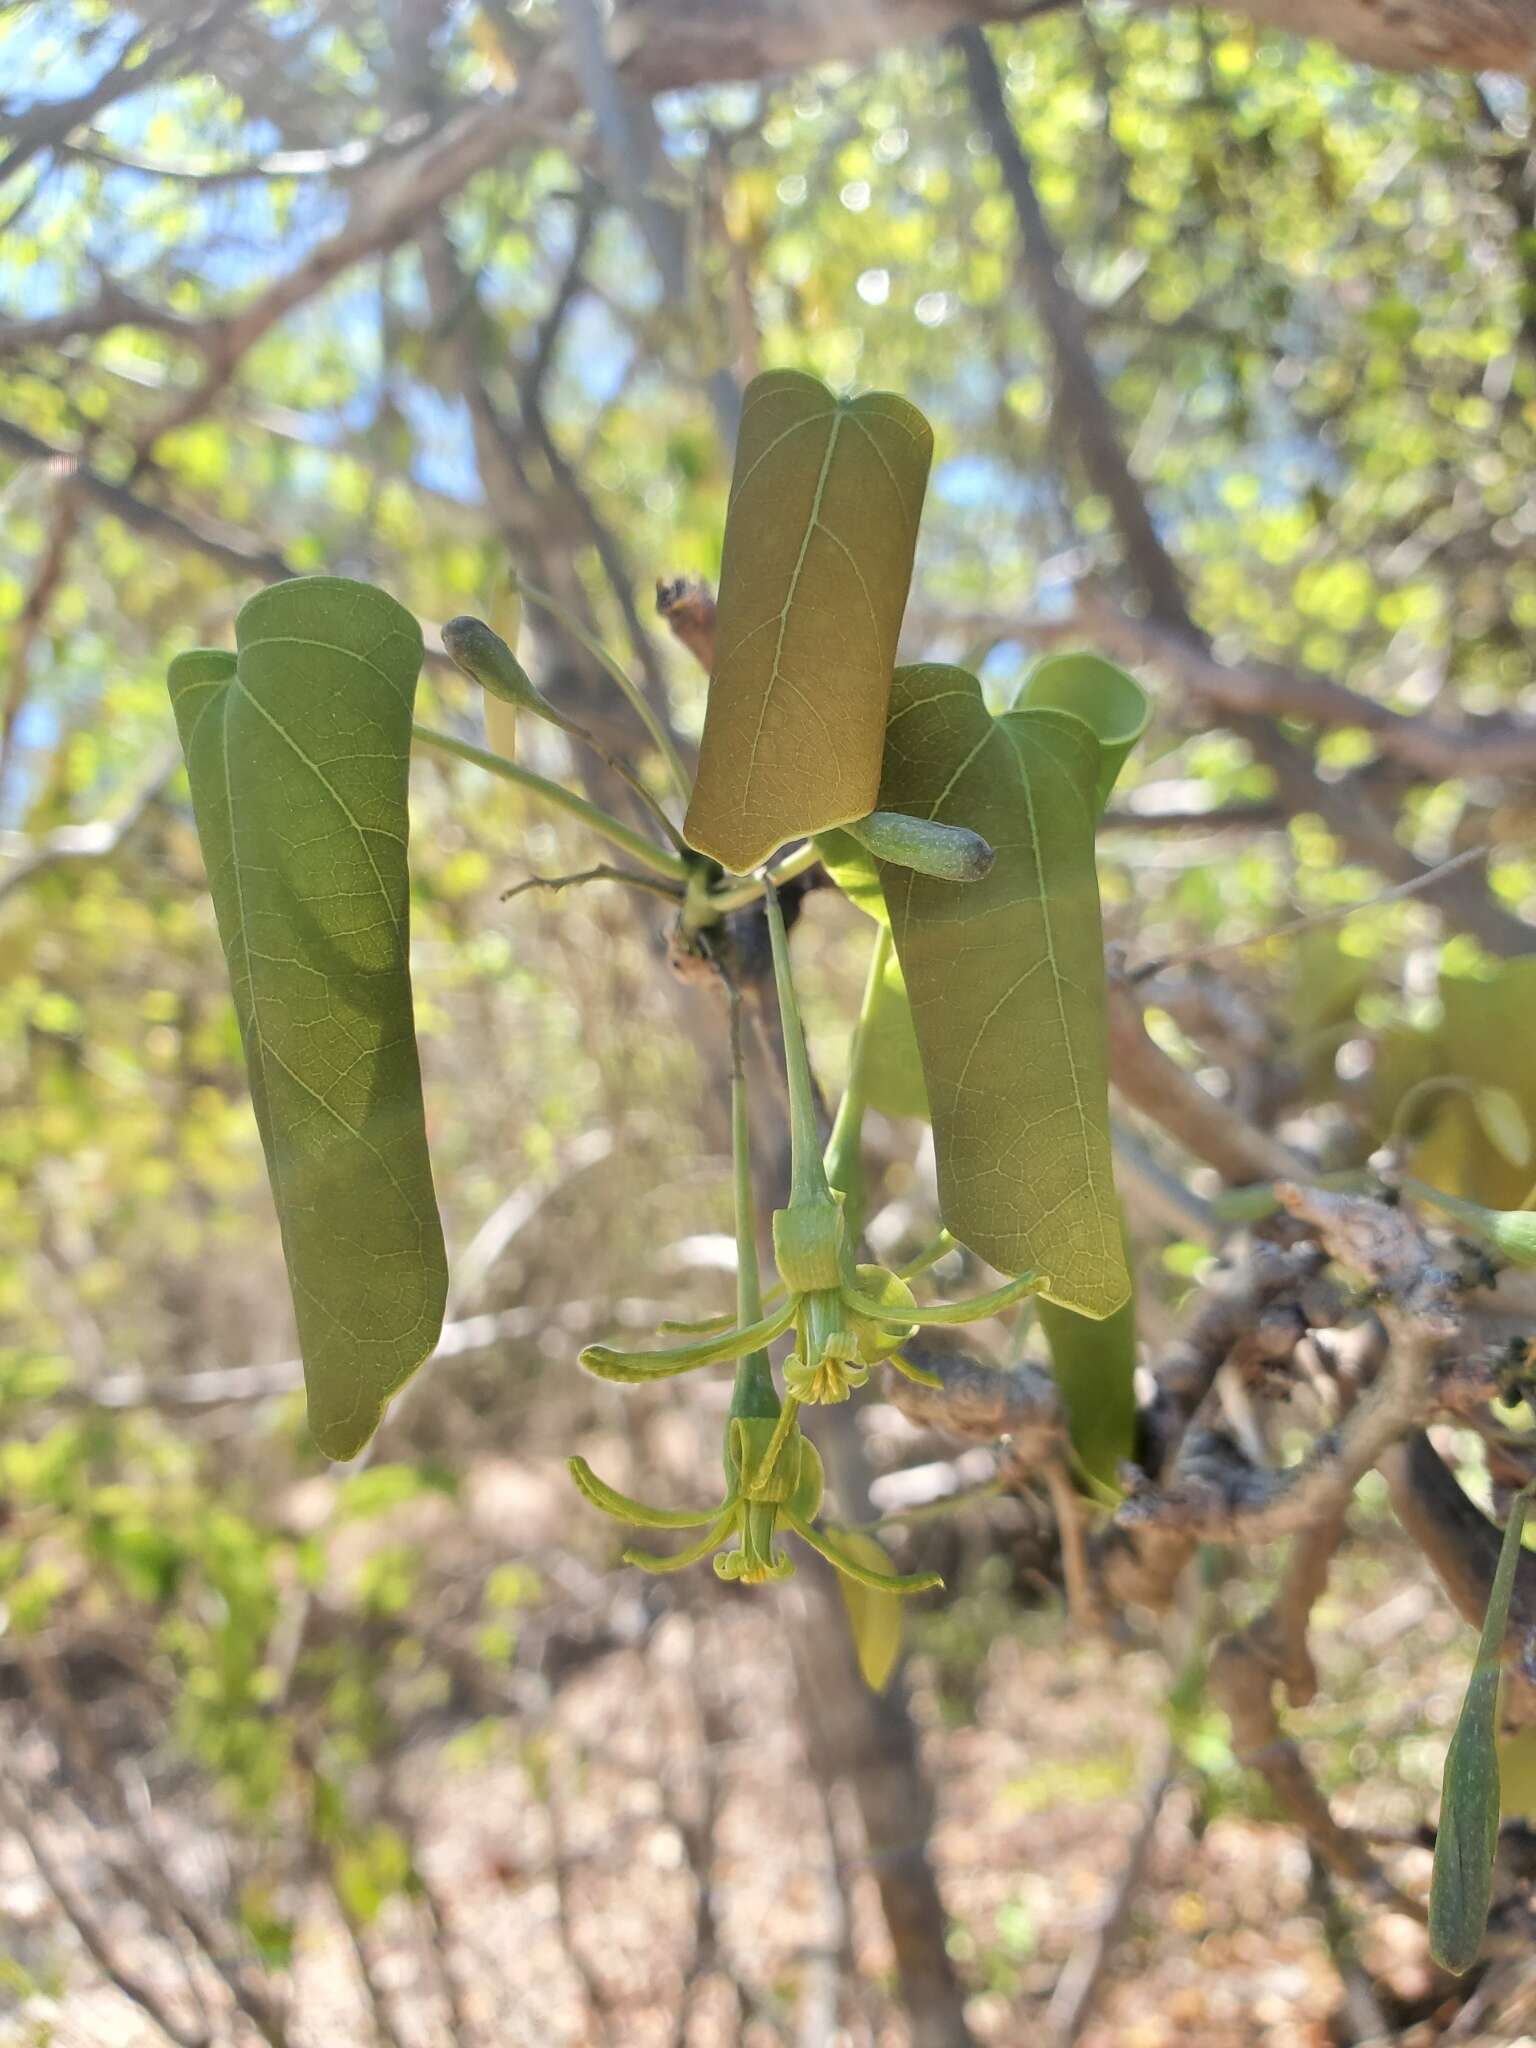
561	1842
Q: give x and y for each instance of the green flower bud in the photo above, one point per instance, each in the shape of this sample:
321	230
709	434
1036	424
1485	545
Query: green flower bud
487	660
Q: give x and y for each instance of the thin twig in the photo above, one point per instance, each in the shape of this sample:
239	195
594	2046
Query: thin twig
75	1908
1080	1983
1414	886
597	874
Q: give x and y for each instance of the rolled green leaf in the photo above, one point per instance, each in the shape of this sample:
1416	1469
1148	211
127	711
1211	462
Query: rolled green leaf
819	538
1006	980
297	750
1094	1365
1100	693
1467	1839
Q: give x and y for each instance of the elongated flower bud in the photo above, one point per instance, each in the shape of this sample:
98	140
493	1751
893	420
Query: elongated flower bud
950	853
487	660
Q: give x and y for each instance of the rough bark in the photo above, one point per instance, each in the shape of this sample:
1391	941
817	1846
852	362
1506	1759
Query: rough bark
660	43
1411	35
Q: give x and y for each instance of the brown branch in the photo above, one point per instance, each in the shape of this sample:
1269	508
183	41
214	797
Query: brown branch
1491	745
1216	1495
1258	816
113	306
63	523
983	1402
1411	35
1362	2015
141	62
1242	1681
210	537
146	1875
1174	1100
1462	1546
73	1904
1080	400
1082	404
1251	1301
99	839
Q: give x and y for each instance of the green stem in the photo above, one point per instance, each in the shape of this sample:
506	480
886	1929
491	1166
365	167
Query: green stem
854	1568
933	1510
656	858
929	1256
780	1437
483	656
740	894
808	1178
844	1156
635	698
754	1393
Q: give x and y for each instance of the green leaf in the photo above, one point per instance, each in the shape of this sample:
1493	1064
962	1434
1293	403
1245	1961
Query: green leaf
1467	1839
876	1618
855	872
1006	979
819	537
1483	1041
1094	1365
893	1066
1504	1124
297	752
1099	692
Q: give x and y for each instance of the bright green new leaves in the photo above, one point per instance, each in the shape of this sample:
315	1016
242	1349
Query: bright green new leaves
819	538
297	751
1006	980
1467	1839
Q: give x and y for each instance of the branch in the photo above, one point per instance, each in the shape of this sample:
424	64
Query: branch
1493	745
113	306
63	523
1242	1682
1079	398
1215	1494
1174	1100
983	1402
97	840
1462	1546
1092	422
210	537
72	1903
1252	1301
143	60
